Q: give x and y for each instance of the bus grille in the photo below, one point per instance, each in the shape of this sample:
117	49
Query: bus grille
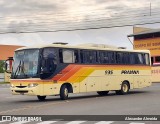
21	86
17	91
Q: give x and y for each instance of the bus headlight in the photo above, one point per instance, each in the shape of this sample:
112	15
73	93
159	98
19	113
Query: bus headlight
32	85
12	86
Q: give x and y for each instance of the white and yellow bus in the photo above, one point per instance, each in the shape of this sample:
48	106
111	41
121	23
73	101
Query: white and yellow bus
62	69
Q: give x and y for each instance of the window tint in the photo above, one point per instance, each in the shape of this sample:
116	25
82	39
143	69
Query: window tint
49	61
132	58
152	60
122	58
111	56
119	58
157	59
103	57
106	57
138	58
88	56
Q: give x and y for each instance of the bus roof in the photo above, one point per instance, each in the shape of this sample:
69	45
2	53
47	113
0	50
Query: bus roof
81	47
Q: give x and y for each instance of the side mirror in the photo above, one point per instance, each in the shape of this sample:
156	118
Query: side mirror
8	65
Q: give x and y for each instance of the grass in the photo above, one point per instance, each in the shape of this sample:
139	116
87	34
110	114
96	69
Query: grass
4	82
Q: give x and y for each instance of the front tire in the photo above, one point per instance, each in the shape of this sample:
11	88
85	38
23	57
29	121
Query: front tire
64	92
41	98
124	89
103	93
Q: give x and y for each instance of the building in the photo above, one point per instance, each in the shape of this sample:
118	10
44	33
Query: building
146	38
5	52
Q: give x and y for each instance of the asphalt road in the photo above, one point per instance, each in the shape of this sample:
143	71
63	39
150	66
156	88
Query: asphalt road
144	101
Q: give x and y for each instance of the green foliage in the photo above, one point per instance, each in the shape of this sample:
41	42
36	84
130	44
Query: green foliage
1	66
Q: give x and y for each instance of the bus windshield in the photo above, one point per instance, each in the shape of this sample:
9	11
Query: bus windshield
25	64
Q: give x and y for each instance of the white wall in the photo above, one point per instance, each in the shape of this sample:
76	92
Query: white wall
1	77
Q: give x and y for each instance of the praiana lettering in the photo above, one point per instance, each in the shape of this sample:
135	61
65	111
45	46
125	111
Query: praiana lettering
129	72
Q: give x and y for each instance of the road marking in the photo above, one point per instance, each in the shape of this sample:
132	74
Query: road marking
20	122
47	122
75	122
105	122
136	123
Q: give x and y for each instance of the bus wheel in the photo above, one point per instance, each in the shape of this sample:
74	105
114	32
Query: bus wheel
64	92
124	89
41	98
103	93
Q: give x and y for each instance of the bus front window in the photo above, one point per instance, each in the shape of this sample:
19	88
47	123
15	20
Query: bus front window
49	62
25	64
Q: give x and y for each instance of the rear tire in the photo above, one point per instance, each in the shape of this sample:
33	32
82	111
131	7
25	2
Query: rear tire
103	93
124	89
41	98
64	92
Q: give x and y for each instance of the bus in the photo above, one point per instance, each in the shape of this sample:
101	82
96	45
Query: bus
59	69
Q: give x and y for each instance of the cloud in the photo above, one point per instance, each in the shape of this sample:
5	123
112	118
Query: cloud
32	15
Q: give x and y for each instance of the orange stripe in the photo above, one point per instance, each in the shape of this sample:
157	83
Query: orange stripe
70	73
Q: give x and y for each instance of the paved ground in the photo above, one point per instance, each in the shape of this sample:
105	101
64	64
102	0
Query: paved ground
138	102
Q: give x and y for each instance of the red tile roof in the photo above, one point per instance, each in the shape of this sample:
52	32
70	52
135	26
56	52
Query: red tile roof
7	51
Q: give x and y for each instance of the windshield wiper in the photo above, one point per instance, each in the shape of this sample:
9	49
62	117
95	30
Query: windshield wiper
17	70
20	68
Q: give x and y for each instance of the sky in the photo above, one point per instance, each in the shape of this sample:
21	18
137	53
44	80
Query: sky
52	15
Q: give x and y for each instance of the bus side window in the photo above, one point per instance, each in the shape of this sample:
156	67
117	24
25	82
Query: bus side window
93	56
152	60
88	56
141	59
138	58
157	60
81	56
111	57
119	57
68	56
147	62
106	57
125	58
76	56
60	56
102	57
49	61
132	58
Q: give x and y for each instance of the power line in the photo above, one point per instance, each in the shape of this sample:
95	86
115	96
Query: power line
78	29
91	22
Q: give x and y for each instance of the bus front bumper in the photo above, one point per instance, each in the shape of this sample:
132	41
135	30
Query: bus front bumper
25	91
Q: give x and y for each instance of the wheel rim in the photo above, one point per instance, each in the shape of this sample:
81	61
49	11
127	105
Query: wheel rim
66	92
125	88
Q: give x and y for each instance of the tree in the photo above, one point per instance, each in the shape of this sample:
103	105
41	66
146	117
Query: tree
1	66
